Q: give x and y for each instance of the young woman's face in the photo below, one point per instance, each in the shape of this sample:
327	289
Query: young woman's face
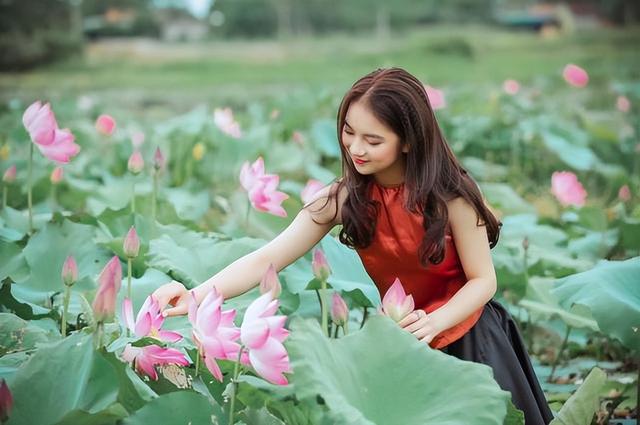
373	147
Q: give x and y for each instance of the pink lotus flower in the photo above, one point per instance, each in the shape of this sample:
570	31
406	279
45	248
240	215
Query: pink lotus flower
137	139
214	332
69	271
623	104
6	401
105	124
109	281
320	265
250	174
270	282
158	160
624	194
264	196
148	321
9	175
135	163
511	87
55	144
131	244
396	303
223	119
339	310
312	187
56	175
436	97
262	334
575	75
146	358
567	189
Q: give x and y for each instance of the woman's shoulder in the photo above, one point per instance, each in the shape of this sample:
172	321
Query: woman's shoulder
326	204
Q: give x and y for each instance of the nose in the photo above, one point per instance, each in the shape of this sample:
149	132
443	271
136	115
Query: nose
356	148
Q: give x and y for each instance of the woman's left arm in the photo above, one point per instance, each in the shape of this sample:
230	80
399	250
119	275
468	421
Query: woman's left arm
472	245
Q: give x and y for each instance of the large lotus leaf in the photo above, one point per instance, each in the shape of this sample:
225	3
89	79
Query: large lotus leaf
323	137
18	334
179	407
503	197
16	223
578	157
384	375
484	170
195	260
45	254
347	272
594	245
630	234
285	158
188	205
64	380
12	262
611	290
582	405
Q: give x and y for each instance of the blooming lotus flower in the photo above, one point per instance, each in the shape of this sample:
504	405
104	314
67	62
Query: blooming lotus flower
56	175
9	175
270	282
223	119
6	401
623	104
55	144
158	160
148	321
339	310
250	174
264	196
69	271
105	124
131	244
312	187
320	266
262	334
147	357
214	332
436	97
567	189
575	75
135	163
109	281
624	194
396	303
137	139
511	87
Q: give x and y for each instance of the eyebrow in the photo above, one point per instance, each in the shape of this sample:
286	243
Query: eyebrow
373	136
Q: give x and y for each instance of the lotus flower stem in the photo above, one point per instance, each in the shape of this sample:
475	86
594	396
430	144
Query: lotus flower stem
364	316
65	308
154	198
133	198
246	219
99	332
555	361
325	310
236	370
198	361
53	197
335	332
29	195
345	328
4	196
129	277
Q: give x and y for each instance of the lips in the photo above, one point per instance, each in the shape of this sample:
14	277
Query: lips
359	161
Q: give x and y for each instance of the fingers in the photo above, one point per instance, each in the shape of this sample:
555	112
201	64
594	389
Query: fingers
179	310
408	319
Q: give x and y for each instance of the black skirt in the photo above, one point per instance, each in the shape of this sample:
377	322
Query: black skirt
495	341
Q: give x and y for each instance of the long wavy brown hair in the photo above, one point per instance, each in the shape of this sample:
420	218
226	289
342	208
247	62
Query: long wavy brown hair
433	174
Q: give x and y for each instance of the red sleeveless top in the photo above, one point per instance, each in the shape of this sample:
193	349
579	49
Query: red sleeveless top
394	253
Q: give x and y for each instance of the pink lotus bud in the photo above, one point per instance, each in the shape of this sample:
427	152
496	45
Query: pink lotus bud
6	401
436	97
575	75
339	310
623	104
137	139
69	271
109	281
158	160
9	175
270	282
567	189
56	175
105	124
320	266
131	244
136	163
624	194
511	87
396	303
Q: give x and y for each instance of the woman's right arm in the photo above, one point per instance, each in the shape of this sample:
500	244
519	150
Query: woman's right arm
246	272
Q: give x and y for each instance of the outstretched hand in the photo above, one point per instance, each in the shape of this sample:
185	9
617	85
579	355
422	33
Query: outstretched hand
423	326
175	294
